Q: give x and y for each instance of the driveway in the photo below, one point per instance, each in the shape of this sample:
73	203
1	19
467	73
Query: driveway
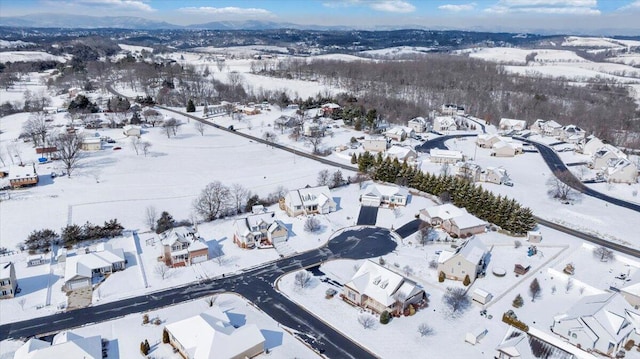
409	228
368	216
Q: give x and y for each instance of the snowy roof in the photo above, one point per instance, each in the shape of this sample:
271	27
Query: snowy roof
509	122
418	120
65	345
211	335
618	164
331	105
375	138
606	149
130	127
5	270
552	124
91	140
399	151
26	171
473	250
373	189
436	152
398	130
380	283
518	344
83	264
443	211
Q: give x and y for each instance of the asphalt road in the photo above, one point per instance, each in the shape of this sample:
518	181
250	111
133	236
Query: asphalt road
256	284
368	216
439	142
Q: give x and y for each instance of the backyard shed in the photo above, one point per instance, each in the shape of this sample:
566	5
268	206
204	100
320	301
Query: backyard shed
481	296
473	337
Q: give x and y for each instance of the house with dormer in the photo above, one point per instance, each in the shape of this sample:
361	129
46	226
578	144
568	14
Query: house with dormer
378	288
600	159
468	259
418	124
375	194
259	229
602	323
621	170
182	246
86	269
572	134
591	145
8	280
308	200
444	123
399	133
509	124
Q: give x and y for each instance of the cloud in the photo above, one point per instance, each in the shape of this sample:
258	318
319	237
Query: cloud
397	6
457	8
634	5
556	7
117	4
230	10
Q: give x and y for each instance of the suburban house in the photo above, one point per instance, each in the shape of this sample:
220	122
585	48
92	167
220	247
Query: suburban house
309	200
21	176
505	149
91	144
445	156
488	140
64	345
285	121
8	280
377	194
437	214
312	128
378	288
444	123
468	170
83	270
456	221
182	246
546	128
451	109
600	159
399	133
631	293
329	108
536	344
497	175
211	335
401	153
602	323
375	144
131	130
509	124
418	124
467	260
572	134
259	228
592	145
621	170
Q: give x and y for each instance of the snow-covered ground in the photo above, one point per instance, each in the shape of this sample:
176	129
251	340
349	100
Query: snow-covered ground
27	56
397	50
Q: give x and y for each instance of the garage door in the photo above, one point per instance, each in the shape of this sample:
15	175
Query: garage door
370	202
198	259
78	284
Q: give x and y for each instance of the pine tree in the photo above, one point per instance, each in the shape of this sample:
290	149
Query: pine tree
165	222
441	277
143	349
165	336
384	317
518	301
191	107
466	280
354	159
147	347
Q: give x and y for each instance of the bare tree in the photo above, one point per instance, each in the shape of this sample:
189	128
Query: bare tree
161	270
425	233
22	301
135	144
69	145
337	179
534	290
569	285
367	321
559	186
269	136
200	127
37	128
445	170
239	195
314	141
400	297
603	253
152	116
213	201
408	270
312	224
456	299
2	157
146	146
425	330
324	178
170	127
151	216
211	300
302	279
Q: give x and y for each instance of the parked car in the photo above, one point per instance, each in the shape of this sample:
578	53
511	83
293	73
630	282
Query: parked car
508	183
117	148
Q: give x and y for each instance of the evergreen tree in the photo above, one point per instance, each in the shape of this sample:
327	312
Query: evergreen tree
165	222
384	317
191	107
518	301
466	281
165	336
354	159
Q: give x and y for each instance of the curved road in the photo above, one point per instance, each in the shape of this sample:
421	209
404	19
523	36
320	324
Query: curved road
256	284
439	142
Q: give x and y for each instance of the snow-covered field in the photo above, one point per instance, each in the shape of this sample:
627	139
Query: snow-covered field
397	50
27	56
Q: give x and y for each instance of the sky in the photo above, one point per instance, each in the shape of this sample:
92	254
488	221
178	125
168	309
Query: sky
495	15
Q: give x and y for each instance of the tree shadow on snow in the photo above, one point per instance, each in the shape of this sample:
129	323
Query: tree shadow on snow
272	338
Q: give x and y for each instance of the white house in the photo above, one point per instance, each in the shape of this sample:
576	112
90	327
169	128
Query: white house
547	128
497	175
445	156
83	269
509	124
377	194
451	109
517	344
378	288
182	246
312	128
64	345
418	124
453	219
91	144
467	260
505	149
309	200
600	159
212	335
435	215
8	280
131	130
374	144
621	170
488	140
468	170
259	228
601	322
591	145
400	133
401	153
572	134
444	123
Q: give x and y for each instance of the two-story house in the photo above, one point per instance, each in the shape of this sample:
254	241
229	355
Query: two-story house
308	200
8	281
182	246
259	228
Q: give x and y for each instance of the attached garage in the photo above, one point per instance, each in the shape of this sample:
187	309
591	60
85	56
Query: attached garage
77	283
370	201
198	259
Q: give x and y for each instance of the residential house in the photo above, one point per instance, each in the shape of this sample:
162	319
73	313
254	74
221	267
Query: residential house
259	228
312	128
592	145
64	345
445	156
600	159
8	280
285	121
488	140
497	175
621	170
308	200
400	133
329	108
375	144
468	170
131	130
505	149
467	260
182	246
21	176
401	153
547	128
537	126
457	221
536	344
435	215
572	134
602	323
418	124
82	270
509	124
451	109
444	123
212	335
91	144
378	288
377	194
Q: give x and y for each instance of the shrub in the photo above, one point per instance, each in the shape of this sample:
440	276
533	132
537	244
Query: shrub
143	349
381	261
518	301
145	319
466	280
384	317
165	336
411	310
629	345
441	277
157	321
